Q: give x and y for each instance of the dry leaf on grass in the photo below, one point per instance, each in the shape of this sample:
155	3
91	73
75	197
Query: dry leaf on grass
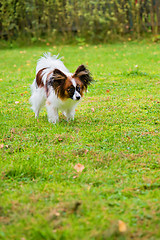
122	226
86	151
79	167
13	130
60	139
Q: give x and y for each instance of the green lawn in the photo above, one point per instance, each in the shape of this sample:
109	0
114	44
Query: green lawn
115	136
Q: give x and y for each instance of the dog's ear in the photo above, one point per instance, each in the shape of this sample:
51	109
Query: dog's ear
84	75
57	79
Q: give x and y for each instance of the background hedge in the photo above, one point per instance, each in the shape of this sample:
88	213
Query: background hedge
86	19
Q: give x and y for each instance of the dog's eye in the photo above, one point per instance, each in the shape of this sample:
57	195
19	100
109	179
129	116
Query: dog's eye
71	90
78	88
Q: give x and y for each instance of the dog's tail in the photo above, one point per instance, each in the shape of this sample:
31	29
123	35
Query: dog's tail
46	61
51	62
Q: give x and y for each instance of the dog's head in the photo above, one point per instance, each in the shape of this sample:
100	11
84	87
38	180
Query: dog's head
71	86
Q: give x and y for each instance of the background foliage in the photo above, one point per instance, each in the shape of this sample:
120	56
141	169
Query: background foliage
115	136
87	20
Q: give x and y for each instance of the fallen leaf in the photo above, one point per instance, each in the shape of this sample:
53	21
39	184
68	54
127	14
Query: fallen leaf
86	151
107	90
13	130
79	167
21	52
122	226
60	139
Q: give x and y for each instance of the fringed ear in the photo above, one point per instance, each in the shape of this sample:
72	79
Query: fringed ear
84	75
57	80
39	77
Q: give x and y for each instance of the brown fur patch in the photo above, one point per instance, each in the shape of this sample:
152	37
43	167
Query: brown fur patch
68	83
39	78
57	81
63	93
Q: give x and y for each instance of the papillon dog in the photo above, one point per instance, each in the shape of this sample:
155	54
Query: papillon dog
57	88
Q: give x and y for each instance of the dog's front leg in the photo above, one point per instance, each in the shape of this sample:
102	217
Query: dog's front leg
52	113
70	115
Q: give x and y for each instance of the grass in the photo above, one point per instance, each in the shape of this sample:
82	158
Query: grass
114	136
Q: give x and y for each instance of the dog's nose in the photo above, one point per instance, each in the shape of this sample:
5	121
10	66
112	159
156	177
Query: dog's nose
78	97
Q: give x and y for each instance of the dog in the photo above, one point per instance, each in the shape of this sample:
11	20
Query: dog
57	88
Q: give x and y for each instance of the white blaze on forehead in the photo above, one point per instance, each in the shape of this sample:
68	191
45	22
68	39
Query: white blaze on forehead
76	93
73	82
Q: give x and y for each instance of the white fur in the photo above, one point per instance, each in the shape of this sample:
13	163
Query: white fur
76	95
53	103
52	62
